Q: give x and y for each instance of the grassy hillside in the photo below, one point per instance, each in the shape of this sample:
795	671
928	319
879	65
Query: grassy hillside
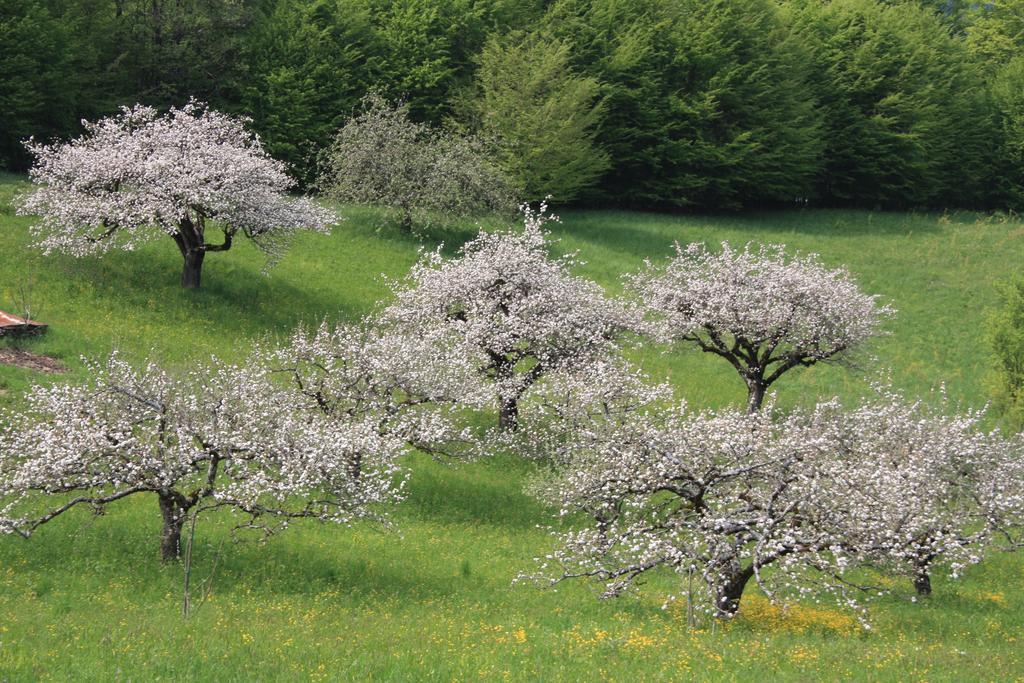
86	598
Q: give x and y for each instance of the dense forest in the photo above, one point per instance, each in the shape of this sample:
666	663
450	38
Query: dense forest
707	104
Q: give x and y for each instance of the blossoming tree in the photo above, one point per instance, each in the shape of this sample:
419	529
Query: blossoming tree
516	312
790	502
920	488
140	174
717	498
381	157
219	437
411	388
762	312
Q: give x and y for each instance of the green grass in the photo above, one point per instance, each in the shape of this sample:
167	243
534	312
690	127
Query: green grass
87	599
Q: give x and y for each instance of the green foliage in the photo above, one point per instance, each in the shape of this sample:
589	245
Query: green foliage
542	115
955	14
705	100
628	46
1005	333
170	50
37	77
906	121
1008	96
750	131
428	46
996	31
995	37
309	64
717	104
158	52
420	63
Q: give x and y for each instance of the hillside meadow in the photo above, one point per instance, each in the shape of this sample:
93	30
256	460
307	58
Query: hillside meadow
433	599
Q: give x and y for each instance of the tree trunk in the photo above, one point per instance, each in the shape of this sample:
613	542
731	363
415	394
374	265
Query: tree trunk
191	242
730	590
355	467
922	578
173	511
508	414
756	389
193	270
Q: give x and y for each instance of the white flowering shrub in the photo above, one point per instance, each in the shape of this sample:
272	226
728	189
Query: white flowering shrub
141	174
921	488
516	312
382	158
412	388
221	436
794	503
763	312
573	401
717	498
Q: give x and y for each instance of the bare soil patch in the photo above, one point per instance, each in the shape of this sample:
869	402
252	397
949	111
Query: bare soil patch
21	358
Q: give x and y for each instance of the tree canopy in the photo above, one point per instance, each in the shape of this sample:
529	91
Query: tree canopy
140	174
715	105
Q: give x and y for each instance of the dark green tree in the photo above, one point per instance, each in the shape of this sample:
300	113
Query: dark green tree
995	31
309	65
906	117
37	78
750	129
706	104
429	46
167	51
995	37
1008	98
627	46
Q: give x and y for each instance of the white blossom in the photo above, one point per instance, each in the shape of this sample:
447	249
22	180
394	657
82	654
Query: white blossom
792	502
921	488
761	311
411	387
218	436
139	175
516	312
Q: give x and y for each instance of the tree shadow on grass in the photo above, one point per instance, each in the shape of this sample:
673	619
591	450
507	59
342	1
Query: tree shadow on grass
281	567
462	494
130	299
449	234
134	279
122	545
646	234
309	560
849	222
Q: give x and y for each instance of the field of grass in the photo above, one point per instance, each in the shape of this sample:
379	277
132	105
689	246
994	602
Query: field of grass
87	599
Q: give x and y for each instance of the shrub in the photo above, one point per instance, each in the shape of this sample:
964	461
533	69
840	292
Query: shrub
1006	338
382	157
